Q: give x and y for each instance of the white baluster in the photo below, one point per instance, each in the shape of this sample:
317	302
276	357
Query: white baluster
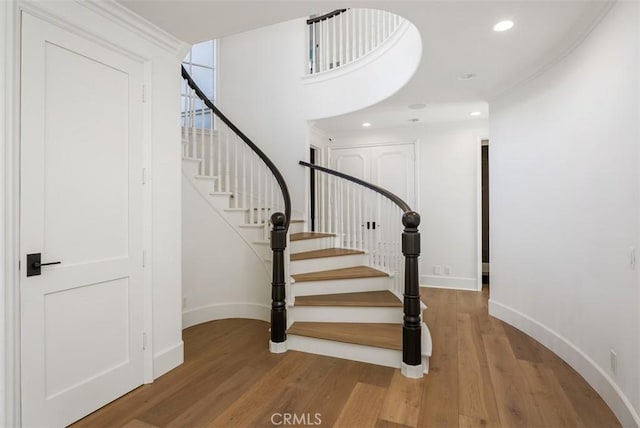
252	204
244	175
360	219
334	38
236	188
340	18
227	171
223	134
347	214
360	32
326	48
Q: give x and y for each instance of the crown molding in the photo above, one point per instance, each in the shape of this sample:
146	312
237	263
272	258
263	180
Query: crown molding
119	14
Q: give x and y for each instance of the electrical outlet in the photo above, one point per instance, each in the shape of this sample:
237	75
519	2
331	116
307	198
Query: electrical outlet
632	258
437	270
447	270
184	302
613	360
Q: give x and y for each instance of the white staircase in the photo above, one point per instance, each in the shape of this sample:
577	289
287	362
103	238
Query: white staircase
341	307
343	287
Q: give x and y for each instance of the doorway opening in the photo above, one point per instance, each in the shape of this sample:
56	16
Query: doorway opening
485	213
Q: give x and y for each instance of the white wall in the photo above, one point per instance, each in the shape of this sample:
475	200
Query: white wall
448	161
161	53
565	195
261	92
215	285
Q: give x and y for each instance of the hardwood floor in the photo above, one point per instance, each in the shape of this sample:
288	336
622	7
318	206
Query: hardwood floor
483	373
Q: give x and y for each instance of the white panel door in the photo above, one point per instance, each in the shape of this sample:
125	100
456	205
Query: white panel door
390	166
81	205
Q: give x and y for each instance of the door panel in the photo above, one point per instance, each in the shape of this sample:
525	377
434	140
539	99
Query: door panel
351	161
393	168
97	151
81	204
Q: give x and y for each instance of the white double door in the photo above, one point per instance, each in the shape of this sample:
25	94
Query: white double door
390	166
81	205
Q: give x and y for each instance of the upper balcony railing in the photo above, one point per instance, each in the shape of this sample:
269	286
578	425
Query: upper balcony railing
343	36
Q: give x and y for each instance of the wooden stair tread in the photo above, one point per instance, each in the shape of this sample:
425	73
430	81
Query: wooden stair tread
344	273
387	336
328	252
379	299
309	235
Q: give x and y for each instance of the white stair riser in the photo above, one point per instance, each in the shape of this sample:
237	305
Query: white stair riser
220	202
252	233
296	227
338	286
367	314
264	250
235	217
328	263
190	167
205	186
312	244
348	351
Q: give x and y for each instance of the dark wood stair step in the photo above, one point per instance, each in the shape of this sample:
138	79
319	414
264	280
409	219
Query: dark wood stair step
378	299
354	272
308	235
327	252
388	336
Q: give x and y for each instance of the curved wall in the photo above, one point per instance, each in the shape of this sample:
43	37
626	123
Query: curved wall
263	89
222	277
367	81
565	209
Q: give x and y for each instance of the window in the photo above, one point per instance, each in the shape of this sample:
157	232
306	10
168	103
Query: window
200	62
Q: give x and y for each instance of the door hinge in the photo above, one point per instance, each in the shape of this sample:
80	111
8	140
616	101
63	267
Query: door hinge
144	341
144	258
144	175
144	93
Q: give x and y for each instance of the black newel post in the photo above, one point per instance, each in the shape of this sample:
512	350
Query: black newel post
411	334
278	305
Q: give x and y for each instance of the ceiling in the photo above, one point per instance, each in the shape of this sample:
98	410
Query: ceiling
457	37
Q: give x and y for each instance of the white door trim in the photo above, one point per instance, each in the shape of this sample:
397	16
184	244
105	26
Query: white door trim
10	334
10	12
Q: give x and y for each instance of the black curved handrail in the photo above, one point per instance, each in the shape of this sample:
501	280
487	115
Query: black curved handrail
384	192
274	170
325	16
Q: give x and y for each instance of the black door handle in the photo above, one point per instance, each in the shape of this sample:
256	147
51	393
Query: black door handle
34	264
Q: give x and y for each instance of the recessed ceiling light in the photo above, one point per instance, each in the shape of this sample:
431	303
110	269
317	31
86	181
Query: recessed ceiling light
366	124
503	26
476	113
417	106
467	76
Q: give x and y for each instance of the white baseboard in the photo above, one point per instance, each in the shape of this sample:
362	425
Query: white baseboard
575	357
224	311
168	359
452	282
